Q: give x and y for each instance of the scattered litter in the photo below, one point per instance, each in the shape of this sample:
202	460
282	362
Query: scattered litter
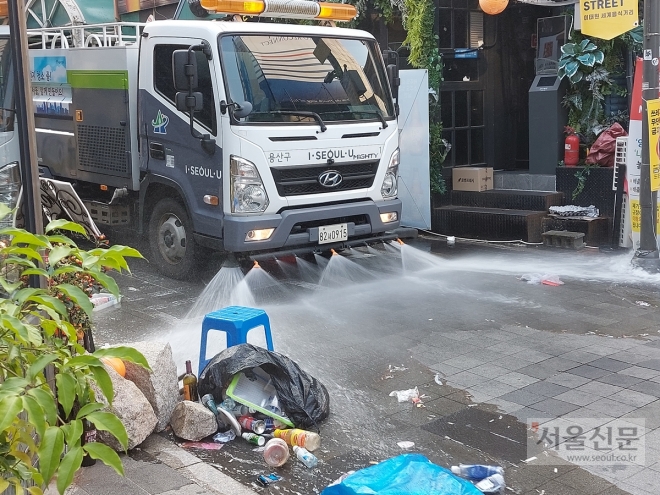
642	303
643	334
430	319
450	423
103	300
491	420
492	484
202	445
346	475
472	405
387	377
555	470
132	289
406	444
545	279
224	436
396	368
418	402
405	395
552	281
258	449
529	460
476	472
268	479
500	417
439	381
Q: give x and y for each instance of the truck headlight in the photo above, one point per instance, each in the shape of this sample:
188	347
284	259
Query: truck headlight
248	194
389	187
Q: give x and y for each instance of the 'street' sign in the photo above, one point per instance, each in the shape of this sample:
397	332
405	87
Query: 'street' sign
606	19
653	109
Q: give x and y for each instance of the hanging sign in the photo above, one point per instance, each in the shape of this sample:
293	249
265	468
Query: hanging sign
653	109
606	19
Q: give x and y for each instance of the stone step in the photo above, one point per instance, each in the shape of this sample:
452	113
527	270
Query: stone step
597	231
495	224
511	199
563	239
523	180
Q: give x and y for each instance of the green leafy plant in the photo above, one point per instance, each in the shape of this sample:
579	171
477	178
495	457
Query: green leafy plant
46	376
582	64
578	59
581	175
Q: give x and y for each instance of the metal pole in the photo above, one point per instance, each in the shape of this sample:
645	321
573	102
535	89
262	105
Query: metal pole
25	123
647	255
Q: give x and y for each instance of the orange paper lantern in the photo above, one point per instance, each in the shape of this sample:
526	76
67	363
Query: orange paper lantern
116	364
493	7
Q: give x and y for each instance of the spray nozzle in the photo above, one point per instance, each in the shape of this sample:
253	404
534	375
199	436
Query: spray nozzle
256	264
400	241
334	253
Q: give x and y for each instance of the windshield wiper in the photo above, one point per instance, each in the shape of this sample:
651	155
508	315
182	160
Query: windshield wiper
303	113
375	112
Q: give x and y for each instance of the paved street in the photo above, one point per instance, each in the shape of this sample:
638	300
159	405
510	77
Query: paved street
487	350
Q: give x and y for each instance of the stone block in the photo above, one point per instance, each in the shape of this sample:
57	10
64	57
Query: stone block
564	239
160	385
131	407
192	421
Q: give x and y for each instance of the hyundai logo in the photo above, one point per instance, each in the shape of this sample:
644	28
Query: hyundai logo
330	178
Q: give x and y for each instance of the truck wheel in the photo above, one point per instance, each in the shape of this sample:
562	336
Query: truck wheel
171	241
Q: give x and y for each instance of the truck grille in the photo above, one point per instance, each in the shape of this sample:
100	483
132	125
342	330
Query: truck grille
294	181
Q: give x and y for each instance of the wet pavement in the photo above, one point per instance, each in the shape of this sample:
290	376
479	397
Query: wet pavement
486	350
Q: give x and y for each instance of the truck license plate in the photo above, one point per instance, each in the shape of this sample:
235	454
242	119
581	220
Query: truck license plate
333	233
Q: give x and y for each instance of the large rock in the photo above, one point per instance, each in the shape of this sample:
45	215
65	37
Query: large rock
160	385
131	407
192	421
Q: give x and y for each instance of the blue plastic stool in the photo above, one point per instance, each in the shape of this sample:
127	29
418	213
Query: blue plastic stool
236	322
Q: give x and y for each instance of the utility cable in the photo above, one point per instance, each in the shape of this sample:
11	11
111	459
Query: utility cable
482	241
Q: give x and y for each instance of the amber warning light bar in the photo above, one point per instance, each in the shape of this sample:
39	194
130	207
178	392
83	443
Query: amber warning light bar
295	9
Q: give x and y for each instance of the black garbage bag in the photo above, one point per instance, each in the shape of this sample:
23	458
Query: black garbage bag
303	398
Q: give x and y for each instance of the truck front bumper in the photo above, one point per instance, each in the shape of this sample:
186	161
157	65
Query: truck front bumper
290	225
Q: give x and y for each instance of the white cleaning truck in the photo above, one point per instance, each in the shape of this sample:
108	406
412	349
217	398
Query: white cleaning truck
241	137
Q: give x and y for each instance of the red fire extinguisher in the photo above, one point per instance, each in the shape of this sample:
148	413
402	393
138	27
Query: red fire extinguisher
571	148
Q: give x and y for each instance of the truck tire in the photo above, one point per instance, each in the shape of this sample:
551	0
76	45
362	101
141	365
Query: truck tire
171	241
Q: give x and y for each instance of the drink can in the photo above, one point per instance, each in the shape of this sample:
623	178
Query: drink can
254	439
250	423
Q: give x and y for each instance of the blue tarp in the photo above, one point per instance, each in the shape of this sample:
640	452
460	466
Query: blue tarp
407	474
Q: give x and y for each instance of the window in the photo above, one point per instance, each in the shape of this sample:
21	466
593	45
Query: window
164	82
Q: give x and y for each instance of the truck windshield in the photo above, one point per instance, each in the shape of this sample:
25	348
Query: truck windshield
287	77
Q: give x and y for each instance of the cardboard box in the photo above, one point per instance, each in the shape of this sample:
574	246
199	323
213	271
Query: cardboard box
472	178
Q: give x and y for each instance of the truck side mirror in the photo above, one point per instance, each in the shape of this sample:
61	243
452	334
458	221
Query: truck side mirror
184	66
185	102
395	81
184	70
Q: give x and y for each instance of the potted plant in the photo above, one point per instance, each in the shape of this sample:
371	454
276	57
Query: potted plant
45	373
582	64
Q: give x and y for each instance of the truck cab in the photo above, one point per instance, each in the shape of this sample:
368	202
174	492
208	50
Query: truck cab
241	137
